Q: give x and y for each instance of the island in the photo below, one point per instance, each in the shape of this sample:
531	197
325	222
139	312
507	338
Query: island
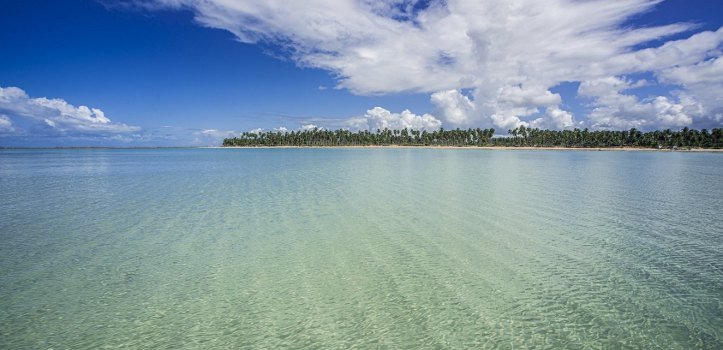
519	137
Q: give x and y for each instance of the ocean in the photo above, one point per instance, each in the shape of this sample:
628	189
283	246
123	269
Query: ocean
395	248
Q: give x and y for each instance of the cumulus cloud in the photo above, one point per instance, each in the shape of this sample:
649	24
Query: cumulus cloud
281	129
380	118
56	116
505	110
554	118
455	108
373	119
528	96
509	55
613	109
703	88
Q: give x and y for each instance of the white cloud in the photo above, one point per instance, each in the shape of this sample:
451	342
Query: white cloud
57	116
455	108
6	125
535	96
357	123
690	51
211	137
505	110
380	118
507	121
706	72
703	89
558	118
308	127
670	113
219	134
508	54
613	109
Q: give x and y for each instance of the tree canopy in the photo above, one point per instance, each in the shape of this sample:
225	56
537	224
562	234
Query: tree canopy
521	136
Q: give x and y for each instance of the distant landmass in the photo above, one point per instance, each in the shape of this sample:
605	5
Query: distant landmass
519	137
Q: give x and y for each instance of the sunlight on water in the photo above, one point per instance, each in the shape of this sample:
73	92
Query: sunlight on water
342	248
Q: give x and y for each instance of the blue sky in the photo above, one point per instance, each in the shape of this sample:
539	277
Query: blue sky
184	72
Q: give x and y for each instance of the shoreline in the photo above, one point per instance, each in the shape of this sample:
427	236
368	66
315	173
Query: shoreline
493	148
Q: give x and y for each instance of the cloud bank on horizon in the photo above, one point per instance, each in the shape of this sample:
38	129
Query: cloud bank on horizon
494	62
56	117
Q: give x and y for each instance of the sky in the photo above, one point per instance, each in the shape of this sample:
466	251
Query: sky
191	72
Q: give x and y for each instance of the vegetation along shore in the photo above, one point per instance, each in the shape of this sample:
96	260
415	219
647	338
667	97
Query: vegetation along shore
518	137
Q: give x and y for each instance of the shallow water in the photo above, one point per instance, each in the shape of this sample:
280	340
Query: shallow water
368	248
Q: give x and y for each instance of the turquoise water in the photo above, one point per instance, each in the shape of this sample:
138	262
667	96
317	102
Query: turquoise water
365	248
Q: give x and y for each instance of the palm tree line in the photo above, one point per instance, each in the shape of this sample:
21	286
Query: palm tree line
685	138
521	136
385	137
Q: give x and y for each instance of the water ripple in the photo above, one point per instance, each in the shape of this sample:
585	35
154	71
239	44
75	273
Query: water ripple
359	248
